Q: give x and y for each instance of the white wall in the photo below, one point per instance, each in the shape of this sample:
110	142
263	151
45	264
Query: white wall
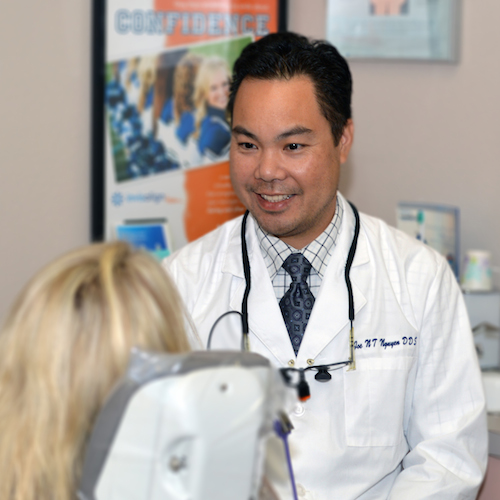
423	132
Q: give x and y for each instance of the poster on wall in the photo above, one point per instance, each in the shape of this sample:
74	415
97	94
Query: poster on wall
161	134
425	30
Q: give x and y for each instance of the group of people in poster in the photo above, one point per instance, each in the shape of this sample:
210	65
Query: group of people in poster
166	116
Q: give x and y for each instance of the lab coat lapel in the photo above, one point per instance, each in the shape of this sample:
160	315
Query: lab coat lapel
331	308
264	315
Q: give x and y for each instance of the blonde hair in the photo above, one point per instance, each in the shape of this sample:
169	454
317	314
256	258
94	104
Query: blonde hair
184	78
64	345
146	69
203	80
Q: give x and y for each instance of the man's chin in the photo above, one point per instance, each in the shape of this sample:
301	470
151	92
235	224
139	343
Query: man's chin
274	227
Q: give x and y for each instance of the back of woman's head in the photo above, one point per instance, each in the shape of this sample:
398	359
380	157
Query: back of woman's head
64	345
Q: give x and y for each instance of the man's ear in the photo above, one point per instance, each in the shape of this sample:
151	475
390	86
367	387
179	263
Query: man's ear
346	141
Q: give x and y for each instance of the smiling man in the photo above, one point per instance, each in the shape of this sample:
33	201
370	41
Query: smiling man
397	408
285	168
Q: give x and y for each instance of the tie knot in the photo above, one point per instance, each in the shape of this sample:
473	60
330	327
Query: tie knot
297	266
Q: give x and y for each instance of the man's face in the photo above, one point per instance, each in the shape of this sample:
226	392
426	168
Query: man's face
284	163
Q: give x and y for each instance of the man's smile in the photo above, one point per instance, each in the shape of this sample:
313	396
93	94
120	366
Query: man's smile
276	198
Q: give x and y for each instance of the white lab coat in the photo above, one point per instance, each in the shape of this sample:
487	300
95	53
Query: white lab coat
409	422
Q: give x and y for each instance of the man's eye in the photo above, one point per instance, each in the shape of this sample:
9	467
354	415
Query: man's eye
247	145
294	146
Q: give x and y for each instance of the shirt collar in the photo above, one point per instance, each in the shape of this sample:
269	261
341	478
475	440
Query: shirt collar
318	252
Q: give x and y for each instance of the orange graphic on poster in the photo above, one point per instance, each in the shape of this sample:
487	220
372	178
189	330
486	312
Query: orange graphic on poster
193	21
387	7
211	200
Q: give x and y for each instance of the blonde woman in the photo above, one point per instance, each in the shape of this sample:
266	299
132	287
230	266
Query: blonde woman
184	78
176	121
210	98
64	345
146	70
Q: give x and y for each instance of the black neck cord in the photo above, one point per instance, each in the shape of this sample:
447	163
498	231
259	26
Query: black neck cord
246	270
348	264
244	304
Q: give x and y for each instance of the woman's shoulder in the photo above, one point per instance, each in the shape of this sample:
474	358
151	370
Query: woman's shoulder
167	113
215	133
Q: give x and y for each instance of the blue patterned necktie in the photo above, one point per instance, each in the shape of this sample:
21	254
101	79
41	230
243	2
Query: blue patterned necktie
297	303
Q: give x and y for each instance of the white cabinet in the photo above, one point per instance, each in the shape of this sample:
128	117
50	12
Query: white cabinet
484	314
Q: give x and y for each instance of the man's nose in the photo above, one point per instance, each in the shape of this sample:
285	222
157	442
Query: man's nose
270	166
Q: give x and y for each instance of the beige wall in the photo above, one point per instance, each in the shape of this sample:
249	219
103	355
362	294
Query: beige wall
44	135
423	132
427	132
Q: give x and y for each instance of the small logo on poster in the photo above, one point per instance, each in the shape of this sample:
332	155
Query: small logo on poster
117	199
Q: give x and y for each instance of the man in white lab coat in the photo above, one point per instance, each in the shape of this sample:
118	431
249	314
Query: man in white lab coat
409	421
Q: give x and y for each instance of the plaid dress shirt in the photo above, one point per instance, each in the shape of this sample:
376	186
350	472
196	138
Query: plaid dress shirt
318	253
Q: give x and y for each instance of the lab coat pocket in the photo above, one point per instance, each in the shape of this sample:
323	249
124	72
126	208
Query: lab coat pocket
375	399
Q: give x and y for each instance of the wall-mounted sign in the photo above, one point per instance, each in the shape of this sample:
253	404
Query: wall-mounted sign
425	30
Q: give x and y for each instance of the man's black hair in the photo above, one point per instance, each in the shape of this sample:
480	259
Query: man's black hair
284	55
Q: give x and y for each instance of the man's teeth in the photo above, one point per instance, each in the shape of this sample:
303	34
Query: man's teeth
276	198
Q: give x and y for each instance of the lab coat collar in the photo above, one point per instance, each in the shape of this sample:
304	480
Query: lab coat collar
264	318
268	324
326	321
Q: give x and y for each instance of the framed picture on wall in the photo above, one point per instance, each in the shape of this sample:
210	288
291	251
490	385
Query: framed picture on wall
435	225
160	131
415	30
